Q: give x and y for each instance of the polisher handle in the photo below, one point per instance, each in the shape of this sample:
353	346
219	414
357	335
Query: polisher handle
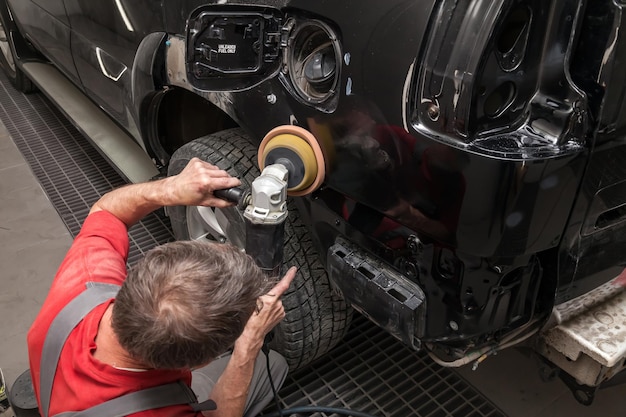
232	195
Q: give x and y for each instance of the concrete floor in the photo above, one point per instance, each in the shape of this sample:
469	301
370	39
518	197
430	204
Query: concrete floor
33	241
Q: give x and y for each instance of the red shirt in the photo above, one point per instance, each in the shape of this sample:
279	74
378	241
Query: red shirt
98	254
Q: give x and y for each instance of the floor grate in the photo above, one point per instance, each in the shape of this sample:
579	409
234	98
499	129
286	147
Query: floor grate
370	371
71	171
374	373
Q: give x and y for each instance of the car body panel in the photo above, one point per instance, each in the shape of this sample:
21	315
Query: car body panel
105	39
45	24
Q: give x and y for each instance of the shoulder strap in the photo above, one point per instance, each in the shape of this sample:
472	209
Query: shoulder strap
59	330
147	399
134	402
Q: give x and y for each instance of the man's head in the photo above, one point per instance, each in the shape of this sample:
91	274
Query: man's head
185	303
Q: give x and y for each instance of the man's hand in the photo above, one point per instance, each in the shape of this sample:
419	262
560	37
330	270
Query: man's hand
270	313
195	184
231	389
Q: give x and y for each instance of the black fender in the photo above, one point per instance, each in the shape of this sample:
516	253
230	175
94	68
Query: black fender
144	86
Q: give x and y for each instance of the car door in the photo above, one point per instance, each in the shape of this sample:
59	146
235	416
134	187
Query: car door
45	24
106	35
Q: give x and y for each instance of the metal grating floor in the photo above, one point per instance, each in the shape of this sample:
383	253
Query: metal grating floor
71	171
370	371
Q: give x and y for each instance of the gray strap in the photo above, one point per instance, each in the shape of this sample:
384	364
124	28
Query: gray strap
61	327
156	397
149	398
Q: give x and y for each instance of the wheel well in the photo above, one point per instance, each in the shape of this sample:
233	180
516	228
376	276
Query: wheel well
180	117
24	50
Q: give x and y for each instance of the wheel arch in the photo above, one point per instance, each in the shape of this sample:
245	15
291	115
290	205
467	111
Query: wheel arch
168	116
177	116
19	48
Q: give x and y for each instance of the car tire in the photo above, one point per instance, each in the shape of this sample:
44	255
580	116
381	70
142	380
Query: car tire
8	60
317	318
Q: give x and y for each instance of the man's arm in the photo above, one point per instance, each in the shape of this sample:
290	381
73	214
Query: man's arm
193	186
231	390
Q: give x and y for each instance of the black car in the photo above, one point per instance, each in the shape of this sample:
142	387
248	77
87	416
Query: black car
473	187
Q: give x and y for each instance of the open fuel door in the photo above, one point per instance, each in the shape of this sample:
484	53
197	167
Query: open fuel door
234	50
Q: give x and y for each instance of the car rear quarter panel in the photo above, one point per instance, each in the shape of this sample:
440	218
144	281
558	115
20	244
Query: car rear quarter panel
482	204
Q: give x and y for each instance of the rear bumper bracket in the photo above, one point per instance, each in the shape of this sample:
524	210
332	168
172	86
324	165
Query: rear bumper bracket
383	295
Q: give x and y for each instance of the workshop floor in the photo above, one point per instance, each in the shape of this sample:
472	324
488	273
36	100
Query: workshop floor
33	240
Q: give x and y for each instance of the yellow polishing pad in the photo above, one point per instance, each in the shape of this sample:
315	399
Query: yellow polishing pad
303	153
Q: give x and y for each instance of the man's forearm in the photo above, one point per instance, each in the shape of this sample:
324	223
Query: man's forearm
133	202
194	186
231	390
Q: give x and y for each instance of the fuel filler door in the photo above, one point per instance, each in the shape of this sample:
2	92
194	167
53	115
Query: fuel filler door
234	50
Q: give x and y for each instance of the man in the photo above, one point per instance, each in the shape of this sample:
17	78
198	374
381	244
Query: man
179	309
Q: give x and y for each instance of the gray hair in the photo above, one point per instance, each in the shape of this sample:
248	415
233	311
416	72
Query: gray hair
186	302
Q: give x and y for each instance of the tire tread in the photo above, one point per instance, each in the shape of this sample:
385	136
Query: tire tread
317	318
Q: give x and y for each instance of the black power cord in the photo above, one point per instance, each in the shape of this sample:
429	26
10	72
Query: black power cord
303	409
266	350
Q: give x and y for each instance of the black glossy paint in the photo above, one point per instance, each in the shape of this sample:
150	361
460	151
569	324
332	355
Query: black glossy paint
45	24
594	245
105	39
491	132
